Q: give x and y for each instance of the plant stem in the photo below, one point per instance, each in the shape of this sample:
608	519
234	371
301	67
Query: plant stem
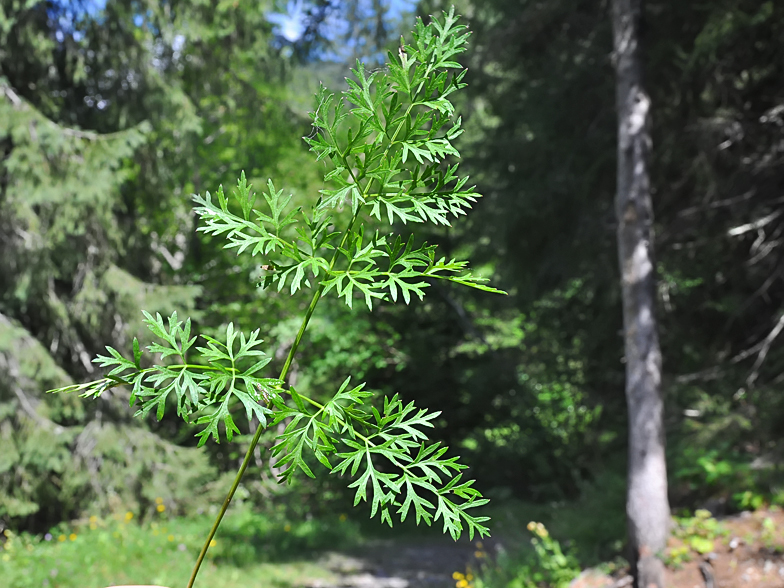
253	443
260	429
287	364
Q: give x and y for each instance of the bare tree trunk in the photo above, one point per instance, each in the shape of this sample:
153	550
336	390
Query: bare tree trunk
647	507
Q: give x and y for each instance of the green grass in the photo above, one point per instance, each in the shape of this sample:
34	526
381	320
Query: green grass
250	551
255	551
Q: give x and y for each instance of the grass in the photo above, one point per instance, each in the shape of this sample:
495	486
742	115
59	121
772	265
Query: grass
250	551
254	550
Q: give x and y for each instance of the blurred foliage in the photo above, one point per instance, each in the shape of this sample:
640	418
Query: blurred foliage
110	118
101	551
542	127
693	536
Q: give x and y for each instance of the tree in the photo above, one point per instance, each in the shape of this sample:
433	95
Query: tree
106	118
647	506
543	140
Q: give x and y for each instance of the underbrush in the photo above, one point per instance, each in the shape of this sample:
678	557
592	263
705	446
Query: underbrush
548	544
547	564
101	552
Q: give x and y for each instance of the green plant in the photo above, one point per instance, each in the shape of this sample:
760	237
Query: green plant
386	140
553	566
548	565
748	499
675	557
768	535
696	534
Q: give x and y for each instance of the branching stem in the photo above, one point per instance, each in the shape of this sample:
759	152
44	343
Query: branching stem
260	429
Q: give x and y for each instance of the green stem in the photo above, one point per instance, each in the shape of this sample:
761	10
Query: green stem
260	429
284	372
254	442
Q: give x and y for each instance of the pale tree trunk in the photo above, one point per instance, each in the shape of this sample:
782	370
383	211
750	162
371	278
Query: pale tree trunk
647	507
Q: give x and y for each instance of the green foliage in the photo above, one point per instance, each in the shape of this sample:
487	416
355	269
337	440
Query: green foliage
50	468
248	538
94	121
722	470
96	552
712	468
401	113
548	565
386	153
207	388
768	536
394	434
748	500
696	534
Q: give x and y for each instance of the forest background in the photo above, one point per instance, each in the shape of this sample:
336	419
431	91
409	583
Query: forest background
112	115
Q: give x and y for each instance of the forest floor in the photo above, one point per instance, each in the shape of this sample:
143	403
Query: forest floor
740	551
748	551
416	563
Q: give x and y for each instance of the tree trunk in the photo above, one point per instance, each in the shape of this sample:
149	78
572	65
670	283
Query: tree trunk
647	507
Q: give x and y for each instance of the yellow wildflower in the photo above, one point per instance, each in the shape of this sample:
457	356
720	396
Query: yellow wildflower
531	526
128	515
61	538
93	519
72	536
287	528
171	538
159	500
457	576
469	577
213	543
461	584
160	507
479	554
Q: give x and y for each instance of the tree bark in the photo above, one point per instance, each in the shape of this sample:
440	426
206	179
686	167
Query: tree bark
647	507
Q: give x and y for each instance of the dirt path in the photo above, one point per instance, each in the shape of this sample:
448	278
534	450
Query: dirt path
419	563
